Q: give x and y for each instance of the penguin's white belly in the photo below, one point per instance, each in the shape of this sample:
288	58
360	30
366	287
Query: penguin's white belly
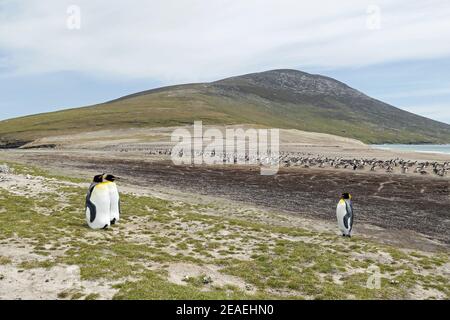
100	199
115	206
341	212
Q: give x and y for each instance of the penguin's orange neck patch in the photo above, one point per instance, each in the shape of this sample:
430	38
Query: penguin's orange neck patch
103	183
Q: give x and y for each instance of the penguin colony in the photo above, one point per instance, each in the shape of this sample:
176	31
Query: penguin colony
292	159
102	202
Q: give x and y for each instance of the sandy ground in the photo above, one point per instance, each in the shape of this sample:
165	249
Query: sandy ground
145	140
40	283
151	137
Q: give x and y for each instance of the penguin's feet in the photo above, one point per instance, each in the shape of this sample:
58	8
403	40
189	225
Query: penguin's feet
113	221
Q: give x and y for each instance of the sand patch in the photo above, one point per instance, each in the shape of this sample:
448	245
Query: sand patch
180	273
54	283
61	281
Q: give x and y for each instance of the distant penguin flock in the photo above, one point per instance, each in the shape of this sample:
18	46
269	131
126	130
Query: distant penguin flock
344	214
102	202
310	161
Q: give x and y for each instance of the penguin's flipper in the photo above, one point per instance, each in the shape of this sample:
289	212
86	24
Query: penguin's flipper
89	204
349	208
348	218
345	220
92	210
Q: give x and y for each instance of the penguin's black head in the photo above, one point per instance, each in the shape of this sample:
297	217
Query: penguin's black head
110	177
98	178
346	196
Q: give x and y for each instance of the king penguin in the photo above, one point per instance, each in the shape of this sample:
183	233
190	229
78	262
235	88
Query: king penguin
344	214
114	198
98	204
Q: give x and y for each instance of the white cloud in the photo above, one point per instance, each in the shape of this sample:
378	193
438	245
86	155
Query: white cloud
196	40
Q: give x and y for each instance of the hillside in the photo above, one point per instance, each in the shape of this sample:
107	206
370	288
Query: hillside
286	99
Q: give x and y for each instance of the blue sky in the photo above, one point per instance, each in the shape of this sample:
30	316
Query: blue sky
395	51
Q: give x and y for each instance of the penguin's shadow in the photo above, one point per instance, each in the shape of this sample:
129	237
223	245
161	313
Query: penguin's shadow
84	226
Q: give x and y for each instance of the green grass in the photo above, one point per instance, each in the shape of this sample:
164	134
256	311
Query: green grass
4	260
154	286
92	296
72	295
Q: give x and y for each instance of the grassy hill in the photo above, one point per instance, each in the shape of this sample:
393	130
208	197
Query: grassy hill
280	98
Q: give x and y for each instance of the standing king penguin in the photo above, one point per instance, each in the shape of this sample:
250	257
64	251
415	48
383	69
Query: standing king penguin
114	198
344	214
98	204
